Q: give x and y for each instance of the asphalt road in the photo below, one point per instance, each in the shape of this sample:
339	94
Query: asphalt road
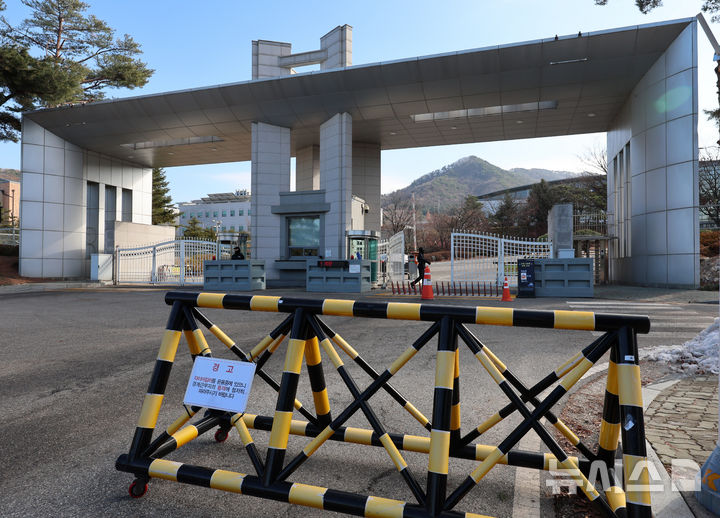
74	367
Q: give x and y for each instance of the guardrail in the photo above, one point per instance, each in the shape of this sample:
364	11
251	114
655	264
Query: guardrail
309	334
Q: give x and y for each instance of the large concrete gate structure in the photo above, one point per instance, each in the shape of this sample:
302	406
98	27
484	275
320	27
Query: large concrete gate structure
638	84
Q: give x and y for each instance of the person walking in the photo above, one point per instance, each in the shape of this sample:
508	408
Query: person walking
422	262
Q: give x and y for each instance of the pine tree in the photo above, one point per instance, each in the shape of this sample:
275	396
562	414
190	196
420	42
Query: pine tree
162	209
76	58
194	230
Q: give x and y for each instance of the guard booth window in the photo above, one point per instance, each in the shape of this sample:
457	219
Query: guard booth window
303	236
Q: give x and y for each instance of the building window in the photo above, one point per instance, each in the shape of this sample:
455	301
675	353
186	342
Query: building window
232	228
232	213
240	212
303	236
248	212
241	228
192	215
224	214
182	215
215	214
223	229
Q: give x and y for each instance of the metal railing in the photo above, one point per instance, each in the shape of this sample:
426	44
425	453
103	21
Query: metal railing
593	221
9	236
179	262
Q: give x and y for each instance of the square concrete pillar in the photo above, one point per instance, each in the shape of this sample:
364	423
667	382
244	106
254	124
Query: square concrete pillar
55	231
366	180
652	198
270	175
338	45
336	180
265	56
307	169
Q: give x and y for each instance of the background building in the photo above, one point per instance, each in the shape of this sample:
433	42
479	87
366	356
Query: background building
9	202
225	212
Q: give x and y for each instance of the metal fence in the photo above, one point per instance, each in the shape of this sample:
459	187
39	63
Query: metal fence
487	257
594	221
178	262
9	236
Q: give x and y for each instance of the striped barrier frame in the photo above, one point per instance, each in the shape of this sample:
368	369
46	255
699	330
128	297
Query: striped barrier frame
310	338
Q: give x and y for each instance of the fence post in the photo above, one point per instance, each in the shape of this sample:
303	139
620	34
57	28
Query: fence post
182	263
153	271
501	261
116	266
452	257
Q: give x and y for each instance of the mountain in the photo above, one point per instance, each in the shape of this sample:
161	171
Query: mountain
9	174
447	187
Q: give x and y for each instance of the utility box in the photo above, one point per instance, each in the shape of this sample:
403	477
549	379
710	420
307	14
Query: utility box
526	278
101	267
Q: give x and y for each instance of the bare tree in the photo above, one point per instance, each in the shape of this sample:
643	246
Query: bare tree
595	159
397	213
709	184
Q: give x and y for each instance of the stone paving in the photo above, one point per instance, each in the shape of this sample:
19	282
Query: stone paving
682	421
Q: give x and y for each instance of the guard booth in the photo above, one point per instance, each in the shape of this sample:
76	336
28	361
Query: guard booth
364	243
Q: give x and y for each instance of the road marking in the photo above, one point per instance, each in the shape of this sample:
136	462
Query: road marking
620	303
526	500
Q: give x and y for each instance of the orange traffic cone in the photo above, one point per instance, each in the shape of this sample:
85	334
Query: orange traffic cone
506	292
427	289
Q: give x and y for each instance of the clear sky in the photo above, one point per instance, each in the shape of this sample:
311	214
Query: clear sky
196	44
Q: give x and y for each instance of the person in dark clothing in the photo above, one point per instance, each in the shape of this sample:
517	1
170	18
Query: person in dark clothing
238	255
421	262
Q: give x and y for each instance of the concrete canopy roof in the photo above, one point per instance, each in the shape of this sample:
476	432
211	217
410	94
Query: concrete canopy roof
569	85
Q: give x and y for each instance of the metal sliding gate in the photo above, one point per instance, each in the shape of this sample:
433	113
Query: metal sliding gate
178	262
486	257
275	477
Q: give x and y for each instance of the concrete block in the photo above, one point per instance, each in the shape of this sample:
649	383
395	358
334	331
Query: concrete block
680	185
655	147
638	231
655	186
681	238
679	95
92	167
637	154
53	216
657	272
32	187
31	244
656	233
53	188
31	215
52	140
52	267
33	158
680	54
32	133
73	164
31	267
52	245
74	218
74	245
681	139
682	269
655	104
74	190
73	268
638	194
54	160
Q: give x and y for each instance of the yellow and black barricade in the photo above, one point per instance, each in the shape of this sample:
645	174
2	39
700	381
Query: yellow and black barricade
310	337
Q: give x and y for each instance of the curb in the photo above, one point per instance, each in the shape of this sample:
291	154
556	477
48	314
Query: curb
35	287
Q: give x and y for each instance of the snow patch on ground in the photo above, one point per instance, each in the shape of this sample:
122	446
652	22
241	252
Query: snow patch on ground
697	356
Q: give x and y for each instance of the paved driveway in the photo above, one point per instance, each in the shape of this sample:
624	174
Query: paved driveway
74	366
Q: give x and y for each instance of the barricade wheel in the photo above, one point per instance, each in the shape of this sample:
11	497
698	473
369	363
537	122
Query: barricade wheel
221	435
138	489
